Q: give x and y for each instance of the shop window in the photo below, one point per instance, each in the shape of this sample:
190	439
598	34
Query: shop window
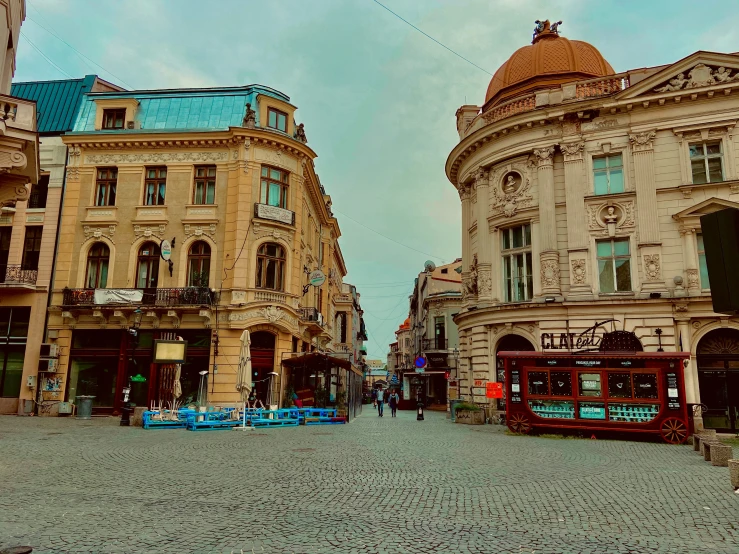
706	162
342	326
155	186
518	278
271	267
95	377
589	384
97	266
147	268
39	193
114	119
561	382
13	336
614	265
645	385
619	385
608	174
277	120
702	267
31	248
105	186
274	187
204	191
198	264
538	382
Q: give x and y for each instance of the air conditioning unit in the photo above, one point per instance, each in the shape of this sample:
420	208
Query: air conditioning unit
133	125
49	350
48	366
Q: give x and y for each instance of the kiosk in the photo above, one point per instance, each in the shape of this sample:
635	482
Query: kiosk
640	392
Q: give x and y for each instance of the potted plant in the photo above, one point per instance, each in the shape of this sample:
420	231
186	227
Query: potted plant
469	414
321	397
341	403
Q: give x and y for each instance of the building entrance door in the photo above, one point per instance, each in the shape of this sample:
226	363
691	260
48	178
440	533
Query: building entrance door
718	378
262	363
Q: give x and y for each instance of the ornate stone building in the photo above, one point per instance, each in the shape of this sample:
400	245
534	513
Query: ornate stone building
191	213
581	192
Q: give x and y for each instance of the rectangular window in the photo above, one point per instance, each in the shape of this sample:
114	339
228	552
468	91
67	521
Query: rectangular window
706	162
608	174
614	265
39	192
274	187
205	185
518	280
13	335
155	186
106	184
5	234
31	247
114	119
440	332
702	267
589	384
277	120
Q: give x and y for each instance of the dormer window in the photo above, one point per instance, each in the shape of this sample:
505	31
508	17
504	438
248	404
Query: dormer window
114	119
277	120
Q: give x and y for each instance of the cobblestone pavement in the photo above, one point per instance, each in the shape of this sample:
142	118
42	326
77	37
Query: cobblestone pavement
373	486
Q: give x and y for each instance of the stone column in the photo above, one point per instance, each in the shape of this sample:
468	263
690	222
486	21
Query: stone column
691	372
577	232
642	149
464	195
690	249
549	255
484	251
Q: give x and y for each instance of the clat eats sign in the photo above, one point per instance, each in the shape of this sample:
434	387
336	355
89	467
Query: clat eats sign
586	341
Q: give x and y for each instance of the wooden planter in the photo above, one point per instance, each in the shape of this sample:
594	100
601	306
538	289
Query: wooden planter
468	417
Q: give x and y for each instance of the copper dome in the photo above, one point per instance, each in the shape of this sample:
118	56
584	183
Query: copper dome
550	61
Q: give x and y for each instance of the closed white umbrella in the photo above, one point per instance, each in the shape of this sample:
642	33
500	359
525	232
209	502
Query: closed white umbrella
243	377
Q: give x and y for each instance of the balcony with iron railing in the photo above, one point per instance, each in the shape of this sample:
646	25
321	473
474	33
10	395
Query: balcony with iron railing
164	297
429	345
17	275
314	320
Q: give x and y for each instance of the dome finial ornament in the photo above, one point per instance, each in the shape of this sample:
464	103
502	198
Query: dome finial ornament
545	29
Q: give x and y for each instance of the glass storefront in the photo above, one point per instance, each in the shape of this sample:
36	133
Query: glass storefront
13	337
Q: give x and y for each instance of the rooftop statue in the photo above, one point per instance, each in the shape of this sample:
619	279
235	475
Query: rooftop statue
544	28
300	134
250	119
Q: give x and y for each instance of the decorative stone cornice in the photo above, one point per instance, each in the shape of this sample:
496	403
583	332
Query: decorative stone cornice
641	142
157	157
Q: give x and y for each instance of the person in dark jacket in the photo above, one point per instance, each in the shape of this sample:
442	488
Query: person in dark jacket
393	402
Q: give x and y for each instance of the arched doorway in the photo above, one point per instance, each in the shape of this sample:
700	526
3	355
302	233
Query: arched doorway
718	378
515	343
262	362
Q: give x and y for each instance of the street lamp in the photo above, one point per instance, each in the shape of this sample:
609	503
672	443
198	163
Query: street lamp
133	331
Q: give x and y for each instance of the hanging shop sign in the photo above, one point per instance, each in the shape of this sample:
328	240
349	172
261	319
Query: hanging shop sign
593	339
165	248
118	296
265	211
316	278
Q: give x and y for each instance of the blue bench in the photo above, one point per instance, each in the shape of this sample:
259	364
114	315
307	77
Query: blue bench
150	423
260	422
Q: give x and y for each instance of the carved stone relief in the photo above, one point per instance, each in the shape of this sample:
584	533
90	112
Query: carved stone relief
549	273
148	231
693	281
700	76
156	157
621	213
652	271
200	230
93	232
578	272
642	141
573	151
261	231
484	283
511	186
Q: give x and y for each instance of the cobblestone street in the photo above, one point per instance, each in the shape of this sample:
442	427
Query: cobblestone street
375	486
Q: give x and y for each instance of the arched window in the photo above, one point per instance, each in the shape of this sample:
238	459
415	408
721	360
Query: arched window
271	266
97	266
147	269
198	264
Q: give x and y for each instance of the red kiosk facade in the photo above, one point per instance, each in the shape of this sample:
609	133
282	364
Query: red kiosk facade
640	392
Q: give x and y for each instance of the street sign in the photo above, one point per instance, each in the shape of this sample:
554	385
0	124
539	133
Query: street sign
420	362
494	390
166	249
316	278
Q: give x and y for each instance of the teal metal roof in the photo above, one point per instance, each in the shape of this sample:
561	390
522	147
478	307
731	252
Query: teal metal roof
182	109
57	102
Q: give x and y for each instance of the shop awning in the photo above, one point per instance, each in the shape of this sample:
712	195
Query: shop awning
315	360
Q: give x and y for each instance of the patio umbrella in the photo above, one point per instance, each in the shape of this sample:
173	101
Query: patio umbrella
243	376
177	384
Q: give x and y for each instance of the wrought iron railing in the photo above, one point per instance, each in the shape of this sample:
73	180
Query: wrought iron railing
187	296
37	198
434	344
311	314
16	274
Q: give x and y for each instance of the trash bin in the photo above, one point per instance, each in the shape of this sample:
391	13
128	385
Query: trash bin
452	408
84	407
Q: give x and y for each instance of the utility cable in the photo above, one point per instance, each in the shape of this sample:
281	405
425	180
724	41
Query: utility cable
388	238
432	38
47	58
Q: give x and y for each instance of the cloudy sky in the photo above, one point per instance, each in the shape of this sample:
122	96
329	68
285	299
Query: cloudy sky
376	96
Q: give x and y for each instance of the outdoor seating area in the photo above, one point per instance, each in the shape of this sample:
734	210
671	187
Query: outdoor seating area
218	418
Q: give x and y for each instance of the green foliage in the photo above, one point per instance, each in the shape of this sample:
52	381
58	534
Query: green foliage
288	401
341	399
469	406
321	396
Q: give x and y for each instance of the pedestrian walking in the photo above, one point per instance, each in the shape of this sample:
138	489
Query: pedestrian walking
374	398
380	401
393	402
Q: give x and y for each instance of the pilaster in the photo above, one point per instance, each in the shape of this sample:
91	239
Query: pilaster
484	251
549	255
577	233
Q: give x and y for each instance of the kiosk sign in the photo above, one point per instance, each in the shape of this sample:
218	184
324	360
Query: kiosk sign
494	390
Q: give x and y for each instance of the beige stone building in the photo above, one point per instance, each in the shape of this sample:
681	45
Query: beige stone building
581	192
196	214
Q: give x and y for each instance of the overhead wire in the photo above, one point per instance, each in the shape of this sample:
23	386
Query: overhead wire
47	58
432	38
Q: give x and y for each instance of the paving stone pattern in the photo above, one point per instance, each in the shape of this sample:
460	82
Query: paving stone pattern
373	486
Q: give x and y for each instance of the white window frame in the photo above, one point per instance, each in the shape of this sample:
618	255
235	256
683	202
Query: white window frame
607	171
705	157
596	266
608	149
511	253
